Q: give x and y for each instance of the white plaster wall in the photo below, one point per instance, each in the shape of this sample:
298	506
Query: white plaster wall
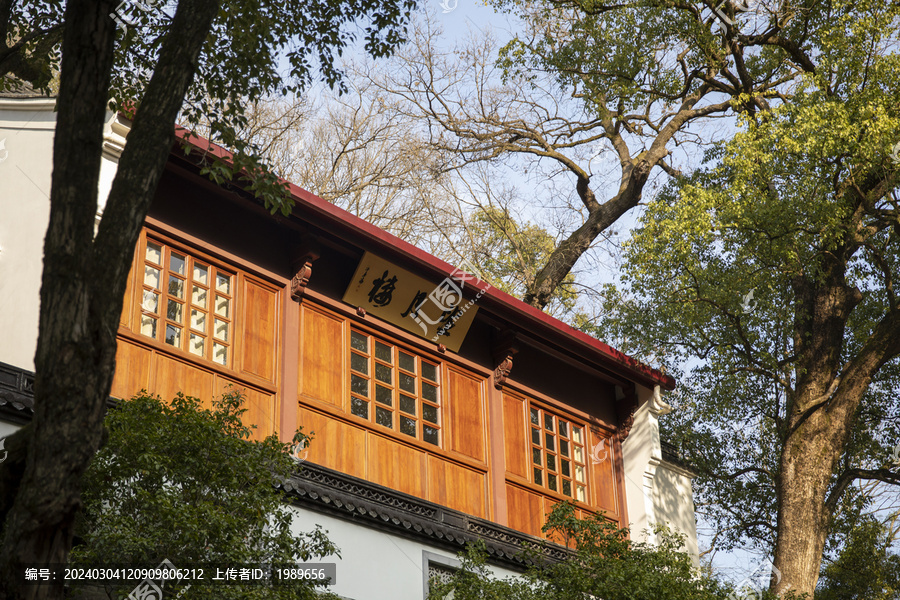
26	130
27	126
637	451
655	491
673	501
7	429
374	565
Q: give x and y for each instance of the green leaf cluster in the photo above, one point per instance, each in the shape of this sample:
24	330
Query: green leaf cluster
604	563
809	188
30	49
179	482
643	58
865	568
511	254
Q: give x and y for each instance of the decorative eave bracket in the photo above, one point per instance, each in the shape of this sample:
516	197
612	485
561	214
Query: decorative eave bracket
505	348
626	406
302	267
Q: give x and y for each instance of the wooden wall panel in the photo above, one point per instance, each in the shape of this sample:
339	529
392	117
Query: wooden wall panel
466	408
336	445
132	370
260	334
604	478
457	487
516	444
321	356
525	510
128	307
261	407
173	376
395	465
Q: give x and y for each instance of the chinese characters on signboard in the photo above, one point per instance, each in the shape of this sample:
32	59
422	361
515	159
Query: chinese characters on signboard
440	313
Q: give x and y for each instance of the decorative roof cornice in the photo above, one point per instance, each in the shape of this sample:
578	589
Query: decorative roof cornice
529	320
115	132
327	491
16	394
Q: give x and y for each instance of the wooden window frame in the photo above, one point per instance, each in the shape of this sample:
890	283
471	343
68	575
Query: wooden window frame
389	401
550	466
156	320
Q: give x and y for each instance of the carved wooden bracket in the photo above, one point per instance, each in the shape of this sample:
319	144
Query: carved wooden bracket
305	257
505	349
626	421
501	373
626	406
300	281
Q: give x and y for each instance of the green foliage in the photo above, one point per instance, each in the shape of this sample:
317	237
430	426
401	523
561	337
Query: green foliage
604	564
865	569
623	57
32	58
473	581
186	484
241	62
511	254
765	216
794	196
611	54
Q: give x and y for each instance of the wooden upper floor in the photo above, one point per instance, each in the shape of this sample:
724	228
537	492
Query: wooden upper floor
526	413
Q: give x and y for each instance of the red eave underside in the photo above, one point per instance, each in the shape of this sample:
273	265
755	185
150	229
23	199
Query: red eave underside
530	318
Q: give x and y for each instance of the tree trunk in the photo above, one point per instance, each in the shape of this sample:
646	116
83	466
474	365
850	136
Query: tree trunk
74	360
803	521
84	277
820	417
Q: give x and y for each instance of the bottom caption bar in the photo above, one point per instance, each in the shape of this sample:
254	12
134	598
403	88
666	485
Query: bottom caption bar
152	579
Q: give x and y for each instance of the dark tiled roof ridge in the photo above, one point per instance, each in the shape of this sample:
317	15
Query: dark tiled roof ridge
348	497
16	392
16	88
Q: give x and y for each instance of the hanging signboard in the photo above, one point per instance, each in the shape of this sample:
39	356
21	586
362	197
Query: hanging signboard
437	312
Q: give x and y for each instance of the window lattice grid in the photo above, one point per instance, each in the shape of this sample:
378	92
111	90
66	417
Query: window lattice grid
187	303
558	454
440	575
394	388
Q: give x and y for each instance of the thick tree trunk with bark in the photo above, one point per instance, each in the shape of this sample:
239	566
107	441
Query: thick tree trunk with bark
74	361
820	417
84	277
803	521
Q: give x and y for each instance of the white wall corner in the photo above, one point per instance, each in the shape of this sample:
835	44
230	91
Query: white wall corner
657	492
641	454
115	134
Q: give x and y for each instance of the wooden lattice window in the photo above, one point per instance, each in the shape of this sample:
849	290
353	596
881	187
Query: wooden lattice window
558	454
187	303
395	388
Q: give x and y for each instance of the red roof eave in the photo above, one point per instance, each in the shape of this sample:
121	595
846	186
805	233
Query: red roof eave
531	319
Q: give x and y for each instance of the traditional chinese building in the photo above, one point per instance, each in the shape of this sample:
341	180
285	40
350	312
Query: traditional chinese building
444	410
